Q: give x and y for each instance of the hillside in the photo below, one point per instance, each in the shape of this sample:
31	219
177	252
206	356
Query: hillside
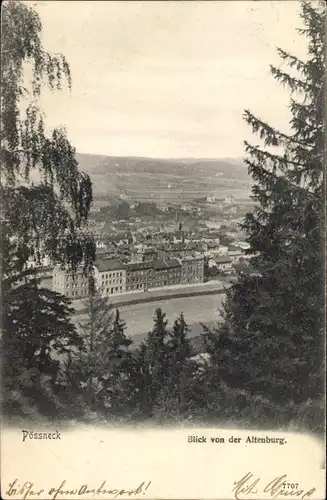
165	180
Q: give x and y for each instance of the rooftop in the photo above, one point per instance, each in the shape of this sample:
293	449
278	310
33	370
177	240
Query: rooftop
135	266
166	263
175	247
223	260
108	264
190	258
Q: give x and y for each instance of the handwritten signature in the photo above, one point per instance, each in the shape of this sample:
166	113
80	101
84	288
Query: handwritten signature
248	484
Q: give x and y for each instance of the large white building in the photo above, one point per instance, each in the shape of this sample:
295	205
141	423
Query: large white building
72	285
110	276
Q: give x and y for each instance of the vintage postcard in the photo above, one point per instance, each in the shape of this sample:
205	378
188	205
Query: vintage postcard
162	250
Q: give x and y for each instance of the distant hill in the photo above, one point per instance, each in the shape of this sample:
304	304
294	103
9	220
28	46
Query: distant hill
164	180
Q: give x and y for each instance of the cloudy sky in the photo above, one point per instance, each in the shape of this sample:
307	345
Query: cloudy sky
168	79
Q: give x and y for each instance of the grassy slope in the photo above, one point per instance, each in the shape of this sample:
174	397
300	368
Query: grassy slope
165	179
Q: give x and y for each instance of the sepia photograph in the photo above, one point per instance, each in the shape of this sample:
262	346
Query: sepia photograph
162	243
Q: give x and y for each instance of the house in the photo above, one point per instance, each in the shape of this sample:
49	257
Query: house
242	245
212	263
224	264
165	273
123	249
223	250
110	276
229	199
100	244
33	263
211	199
213	224
73	285
178	237
192	269
175	251
236	256
144	254
138	275
212	249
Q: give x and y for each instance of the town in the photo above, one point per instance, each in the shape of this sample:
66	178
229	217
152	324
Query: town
178	246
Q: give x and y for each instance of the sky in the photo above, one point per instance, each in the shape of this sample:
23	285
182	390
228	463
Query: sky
168	79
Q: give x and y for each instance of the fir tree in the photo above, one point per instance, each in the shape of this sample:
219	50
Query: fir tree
37	336
117	373
155	358
118	340
175	399
87	367
179	345
95	328
142	394
270	342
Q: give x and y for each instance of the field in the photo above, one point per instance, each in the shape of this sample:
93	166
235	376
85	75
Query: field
196	310
165	181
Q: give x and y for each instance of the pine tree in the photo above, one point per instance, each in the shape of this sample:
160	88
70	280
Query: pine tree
270	342
37	336
155	358
96	326
118	395
179	345
175	399
87	367
118	340
141	376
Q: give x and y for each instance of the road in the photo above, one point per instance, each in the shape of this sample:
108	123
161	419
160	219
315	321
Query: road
177	291
196	310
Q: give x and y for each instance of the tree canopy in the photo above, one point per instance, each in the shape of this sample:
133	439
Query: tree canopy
46	216
271	338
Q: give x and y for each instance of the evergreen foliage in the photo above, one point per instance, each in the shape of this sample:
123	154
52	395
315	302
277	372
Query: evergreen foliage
86	367
177	395
117	375
153	362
